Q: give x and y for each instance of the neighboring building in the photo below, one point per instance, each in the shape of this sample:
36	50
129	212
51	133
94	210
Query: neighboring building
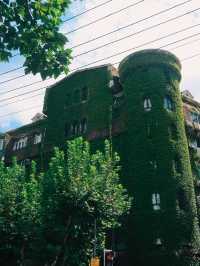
26	143
141	108
2	146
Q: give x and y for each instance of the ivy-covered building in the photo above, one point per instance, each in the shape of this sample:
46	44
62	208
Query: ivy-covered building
141	108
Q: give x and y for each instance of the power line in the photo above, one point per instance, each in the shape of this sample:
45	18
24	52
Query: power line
182	45
21	100
84	26
11	70
22	94
77	15
100	19
176	47
104	17
21	111
116	54
11	79
124	27
34	107
133	48
132	24
189	12
135	33
164	46
190	57
86	11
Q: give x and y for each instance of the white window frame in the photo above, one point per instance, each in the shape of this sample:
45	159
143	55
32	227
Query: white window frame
1	144
156	201
111	83
158	241
147	104
37	138
20	143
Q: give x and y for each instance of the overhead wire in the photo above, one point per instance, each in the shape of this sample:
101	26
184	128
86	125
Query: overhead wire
104	17
37	106
133	48
169	20
86	11
99	19
136	33
119	29
119	53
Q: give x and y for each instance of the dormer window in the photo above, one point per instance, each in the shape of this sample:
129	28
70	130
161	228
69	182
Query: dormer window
1	144
37	138
20	144
156	201
168	104
147	104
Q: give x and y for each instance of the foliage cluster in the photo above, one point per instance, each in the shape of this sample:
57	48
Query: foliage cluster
32	28
49	218
158	159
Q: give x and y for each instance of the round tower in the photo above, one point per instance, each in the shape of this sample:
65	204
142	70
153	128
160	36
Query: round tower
163	227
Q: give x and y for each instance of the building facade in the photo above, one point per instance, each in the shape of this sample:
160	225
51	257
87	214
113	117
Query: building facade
155	130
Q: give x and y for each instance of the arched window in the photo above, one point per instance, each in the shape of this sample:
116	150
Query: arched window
156	201
147	104
168	104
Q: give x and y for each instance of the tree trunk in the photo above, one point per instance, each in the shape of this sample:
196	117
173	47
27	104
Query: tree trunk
60	256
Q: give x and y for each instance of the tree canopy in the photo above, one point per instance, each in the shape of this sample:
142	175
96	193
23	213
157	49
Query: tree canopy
50	218
32	28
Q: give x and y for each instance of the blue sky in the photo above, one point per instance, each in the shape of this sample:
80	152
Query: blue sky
190	70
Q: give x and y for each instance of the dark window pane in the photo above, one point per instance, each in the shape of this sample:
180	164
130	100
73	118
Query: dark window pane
67	130
172	131
168	104
84	125
84	94
68	100
182	199
76	96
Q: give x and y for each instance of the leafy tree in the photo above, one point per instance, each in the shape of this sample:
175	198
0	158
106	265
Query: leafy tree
31	27
49	220
19	212
81	189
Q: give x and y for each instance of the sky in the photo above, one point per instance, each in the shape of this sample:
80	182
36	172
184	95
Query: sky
187	44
